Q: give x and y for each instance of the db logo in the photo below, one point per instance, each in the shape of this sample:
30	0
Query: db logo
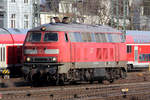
40	51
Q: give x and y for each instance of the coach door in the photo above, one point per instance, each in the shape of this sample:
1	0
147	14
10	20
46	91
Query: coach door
136	53
2	56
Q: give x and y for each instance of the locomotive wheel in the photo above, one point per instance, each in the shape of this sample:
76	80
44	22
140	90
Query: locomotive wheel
111	80
100	81
129	67
60	79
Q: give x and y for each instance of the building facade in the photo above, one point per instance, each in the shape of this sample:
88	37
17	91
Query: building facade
2	12
16	14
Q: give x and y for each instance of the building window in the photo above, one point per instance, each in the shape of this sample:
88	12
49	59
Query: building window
26	21
13	0
1	20
25	1
13	20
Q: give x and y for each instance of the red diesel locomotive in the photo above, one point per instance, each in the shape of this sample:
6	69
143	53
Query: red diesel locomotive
59	53
11	41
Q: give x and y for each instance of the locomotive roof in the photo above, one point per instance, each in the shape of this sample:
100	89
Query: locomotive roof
138	36
75	28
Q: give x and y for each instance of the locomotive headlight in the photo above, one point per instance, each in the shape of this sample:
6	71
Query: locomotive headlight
43	28
28	59
54	59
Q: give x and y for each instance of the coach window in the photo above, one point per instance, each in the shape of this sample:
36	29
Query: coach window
66	37
49	37
3	53
129	49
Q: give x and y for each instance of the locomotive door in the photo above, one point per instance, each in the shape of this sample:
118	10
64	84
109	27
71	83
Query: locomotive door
117	51
136	53
67	49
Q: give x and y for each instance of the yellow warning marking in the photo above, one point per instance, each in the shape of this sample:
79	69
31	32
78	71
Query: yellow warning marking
5	71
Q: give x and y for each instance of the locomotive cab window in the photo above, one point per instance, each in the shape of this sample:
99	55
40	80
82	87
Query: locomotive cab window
50	37
34	37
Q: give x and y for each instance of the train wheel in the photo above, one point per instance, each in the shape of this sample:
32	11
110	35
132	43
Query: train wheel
100	81
60	79
129	67
91	77
91	81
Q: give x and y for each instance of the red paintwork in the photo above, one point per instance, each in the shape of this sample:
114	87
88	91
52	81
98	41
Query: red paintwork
143	48
13	44
80	51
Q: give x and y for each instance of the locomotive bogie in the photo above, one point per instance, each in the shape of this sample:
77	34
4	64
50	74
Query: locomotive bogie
52	74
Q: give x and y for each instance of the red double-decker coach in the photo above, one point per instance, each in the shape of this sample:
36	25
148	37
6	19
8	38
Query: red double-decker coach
138	49
11	41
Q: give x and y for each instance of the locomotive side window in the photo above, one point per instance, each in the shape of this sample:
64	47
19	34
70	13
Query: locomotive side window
77	36
89	38
103	38
97	37
84	37
50	37
34	37
129	49
66	37
109	38
116	37
71	37
93	37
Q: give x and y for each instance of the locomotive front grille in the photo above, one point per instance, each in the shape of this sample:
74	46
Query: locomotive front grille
41	59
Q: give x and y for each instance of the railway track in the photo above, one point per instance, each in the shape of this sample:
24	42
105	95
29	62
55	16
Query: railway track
137	84
95	91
